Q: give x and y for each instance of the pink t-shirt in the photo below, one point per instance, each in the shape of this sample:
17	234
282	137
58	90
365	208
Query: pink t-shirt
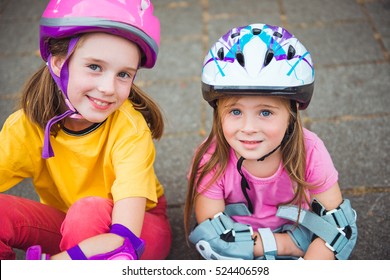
267	193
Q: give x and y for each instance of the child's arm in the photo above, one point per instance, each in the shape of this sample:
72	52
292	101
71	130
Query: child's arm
128	212
284	244
330	199
317	250
206	208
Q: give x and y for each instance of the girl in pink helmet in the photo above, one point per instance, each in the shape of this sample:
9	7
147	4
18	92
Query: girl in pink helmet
85	136
261	185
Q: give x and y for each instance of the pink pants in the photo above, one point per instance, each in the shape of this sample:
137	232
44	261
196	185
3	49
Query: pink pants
25	222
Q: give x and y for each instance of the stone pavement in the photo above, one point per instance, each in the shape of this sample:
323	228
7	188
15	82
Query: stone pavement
349	41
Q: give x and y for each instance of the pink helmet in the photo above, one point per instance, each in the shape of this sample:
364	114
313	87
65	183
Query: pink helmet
131	19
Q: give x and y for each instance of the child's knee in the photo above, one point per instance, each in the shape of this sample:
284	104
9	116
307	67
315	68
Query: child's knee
87	217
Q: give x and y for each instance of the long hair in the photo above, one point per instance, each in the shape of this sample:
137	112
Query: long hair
149	109
293	157
42	100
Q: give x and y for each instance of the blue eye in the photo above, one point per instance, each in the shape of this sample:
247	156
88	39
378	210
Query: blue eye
94	67
235	112
123	75
265	113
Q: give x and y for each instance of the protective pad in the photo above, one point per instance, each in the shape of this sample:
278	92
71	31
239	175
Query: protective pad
269	243
237	209
222	238
300	235
138	243
205	250
35	253
124	252
336	227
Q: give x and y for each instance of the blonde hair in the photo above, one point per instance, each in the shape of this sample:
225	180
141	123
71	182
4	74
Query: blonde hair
42	100
293	157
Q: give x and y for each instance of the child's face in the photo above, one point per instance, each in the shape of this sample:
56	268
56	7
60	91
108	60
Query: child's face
101	73
254	125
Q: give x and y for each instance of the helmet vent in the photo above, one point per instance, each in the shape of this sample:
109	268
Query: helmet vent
240	58
290	52
221	53
256	31
268	57
235	34
145	4
277	34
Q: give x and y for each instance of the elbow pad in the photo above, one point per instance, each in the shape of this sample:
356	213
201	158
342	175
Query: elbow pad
221	238
336	227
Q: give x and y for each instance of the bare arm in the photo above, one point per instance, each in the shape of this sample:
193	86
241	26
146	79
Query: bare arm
206	208
130	212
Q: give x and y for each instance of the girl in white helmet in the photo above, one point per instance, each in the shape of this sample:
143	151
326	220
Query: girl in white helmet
84	136
258	156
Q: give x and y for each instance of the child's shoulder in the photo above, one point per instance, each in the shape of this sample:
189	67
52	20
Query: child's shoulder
310	137
18	120
313	142
15	117
210	150
19	128
126	115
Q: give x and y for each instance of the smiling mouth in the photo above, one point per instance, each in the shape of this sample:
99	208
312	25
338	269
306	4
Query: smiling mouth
99	103
250	142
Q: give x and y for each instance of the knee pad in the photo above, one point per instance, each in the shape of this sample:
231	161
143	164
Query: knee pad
336	227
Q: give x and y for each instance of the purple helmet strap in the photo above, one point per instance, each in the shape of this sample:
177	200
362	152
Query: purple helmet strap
62	83
47	150
62	80
138	243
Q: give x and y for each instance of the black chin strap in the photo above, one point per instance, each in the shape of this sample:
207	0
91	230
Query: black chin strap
244	184
273	151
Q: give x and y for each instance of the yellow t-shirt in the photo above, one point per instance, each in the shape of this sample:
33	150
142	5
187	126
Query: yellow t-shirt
113	161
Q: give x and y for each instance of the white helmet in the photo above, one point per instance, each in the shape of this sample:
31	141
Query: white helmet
258	59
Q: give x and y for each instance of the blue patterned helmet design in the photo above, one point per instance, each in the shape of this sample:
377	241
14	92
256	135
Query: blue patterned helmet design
258	59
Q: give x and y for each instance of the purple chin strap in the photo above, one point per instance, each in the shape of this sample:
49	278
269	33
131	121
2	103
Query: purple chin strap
62	83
